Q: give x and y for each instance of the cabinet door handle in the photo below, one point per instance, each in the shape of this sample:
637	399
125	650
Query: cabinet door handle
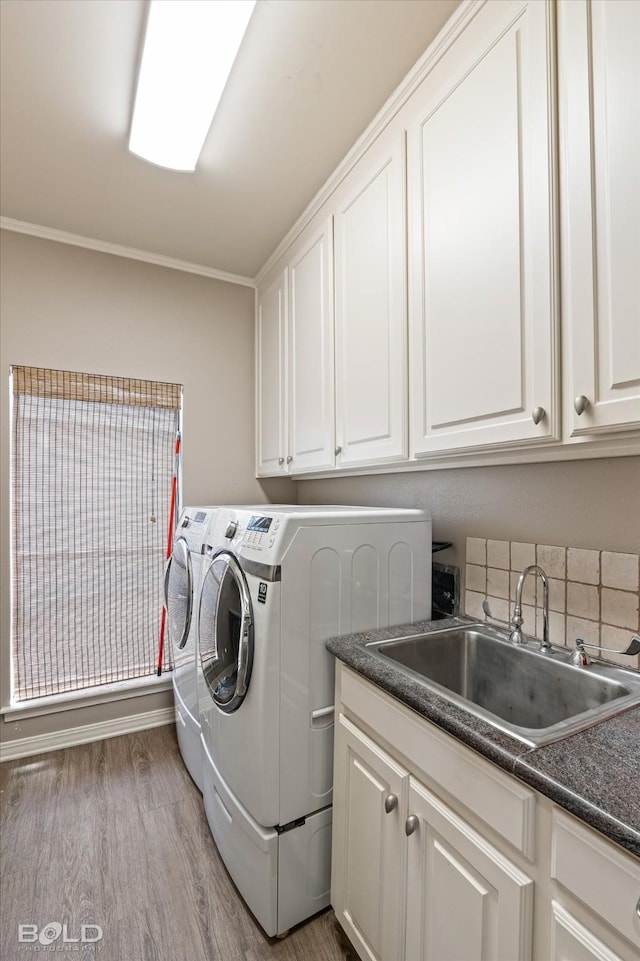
338	450
580	404
638	908
411	824
390	803
537	414
289	459
280	461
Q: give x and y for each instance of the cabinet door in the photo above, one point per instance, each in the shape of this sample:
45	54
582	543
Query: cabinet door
311	361
571	941
464	898
481	241
367	861
271	385
371	376
599	84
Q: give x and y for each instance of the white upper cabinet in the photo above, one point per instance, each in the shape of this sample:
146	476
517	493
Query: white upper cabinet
310	353
271	382
370	308
599	90
481	243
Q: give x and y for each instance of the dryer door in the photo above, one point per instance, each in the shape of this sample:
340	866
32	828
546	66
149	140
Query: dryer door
178	593
225	635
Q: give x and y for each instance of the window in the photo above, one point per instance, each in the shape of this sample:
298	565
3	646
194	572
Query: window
93	462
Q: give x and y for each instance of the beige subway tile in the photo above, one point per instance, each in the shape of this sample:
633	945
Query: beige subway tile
476	578
583	566
522	555
619	639
552	560
497	582
498	554
620	608
583	600
621	571
476	550
589	631
473	604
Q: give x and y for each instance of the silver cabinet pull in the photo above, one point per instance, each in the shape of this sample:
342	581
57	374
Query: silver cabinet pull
411	825
638	908
289	459
538	414
280	461
580	404
338	450
390	803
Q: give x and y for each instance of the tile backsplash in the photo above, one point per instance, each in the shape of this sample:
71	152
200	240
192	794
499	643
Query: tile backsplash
592	594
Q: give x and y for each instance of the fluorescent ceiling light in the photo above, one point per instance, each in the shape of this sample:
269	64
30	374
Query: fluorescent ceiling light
189	49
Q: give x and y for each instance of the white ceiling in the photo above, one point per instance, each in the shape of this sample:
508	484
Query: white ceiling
309	77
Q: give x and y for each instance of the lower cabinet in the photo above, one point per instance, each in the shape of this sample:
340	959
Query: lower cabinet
410	878
438	855
464	898
368	867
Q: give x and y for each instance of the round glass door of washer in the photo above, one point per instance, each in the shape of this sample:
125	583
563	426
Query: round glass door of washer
225	635
178	594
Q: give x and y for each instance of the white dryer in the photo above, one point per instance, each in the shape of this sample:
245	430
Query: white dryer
182	582
283	580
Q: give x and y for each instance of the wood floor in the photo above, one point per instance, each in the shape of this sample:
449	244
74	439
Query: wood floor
113	833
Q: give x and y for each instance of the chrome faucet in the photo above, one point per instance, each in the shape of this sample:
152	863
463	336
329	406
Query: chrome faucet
516	636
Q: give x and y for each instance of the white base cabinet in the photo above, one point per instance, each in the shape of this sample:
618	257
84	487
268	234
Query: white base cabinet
438	855
368	881
465	899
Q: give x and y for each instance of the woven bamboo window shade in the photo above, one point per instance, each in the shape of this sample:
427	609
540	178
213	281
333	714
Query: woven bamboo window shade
92	471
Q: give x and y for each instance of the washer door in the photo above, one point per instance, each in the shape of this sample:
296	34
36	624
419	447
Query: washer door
178	593
225	635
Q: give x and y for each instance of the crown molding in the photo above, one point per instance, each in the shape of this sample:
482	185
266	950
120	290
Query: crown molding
118	250
459	19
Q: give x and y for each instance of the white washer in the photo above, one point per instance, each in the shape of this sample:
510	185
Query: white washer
182	582
281	582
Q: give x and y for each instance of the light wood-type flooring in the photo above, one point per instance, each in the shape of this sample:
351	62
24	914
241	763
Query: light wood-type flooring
113	833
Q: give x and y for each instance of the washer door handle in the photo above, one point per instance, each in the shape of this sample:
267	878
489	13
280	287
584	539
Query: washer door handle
243	651
165	589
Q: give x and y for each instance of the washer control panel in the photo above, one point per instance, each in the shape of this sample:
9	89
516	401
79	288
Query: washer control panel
193	526
260	533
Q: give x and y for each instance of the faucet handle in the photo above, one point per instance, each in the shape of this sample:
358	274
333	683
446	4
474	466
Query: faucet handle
487	613
582	659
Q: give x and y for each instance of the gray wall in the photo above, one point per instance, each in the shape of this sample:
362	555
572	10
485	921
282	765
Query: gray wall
589	503
70	308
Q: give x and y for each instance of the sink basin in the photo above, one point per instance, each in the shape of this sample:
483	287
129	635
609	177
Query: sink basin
534	697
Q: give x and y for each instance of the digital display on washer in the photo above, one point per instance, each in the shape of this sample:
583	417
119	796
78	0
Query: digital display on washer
261	524
200	517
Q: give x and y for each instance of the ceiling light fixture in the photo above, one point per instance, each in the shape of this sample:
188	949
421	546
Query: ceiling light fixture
189	49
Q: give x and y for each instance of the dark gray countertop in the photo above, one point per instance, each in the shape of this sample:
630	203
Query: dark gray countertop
594	774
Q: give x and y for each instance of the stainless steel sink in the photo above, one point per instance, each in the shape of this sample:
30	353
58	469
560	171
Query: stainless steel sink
535	698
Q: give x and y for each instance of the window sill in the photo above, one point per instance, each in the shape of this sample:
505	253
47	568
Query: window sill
69	701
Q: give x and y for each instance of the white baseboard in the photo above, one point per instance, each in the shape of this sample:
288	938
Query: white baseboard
71	736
